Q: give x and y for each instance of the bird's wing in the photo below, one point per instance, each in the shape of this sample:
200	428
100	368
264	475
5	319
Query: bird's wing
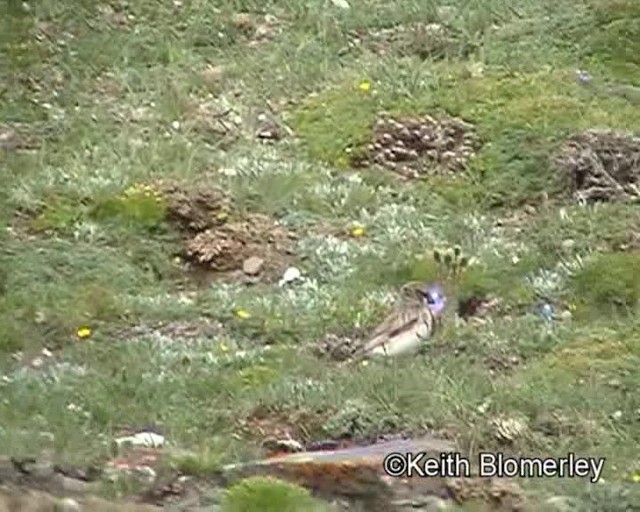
397	322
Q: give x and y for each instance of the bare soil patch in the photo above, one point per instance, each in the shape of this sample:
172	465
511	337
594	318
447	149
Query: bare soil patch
601	165
420	146
221	240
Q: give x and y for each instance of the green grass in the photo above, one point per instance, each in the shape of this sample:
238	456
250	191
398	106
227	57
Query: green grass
110	98
260	493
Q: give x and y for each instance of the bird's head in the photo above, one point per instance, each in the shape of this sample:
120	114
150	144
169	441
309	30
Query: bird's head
434	299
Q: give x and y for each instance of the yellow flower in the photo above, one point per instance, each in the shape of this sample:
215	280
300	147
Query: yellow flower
224	347
358	232
364	363
635	477
242	314
365	86
83	333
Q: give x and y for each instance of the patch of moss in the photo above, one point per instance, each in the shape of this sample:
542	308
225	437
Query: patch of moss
269	494
608	283
334	122
139	209
604	354
257	375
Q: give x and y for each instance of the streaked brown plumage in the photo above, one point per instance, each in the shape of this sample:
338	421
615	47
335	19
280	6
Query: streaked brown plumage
404	330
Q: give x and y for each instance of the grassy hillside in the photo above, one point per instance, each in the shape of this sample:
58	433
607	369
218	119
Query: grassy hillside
151	148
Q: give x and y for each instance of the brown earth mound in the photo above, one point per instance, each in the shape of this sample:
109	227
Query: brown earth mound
601	165
416	147
220	239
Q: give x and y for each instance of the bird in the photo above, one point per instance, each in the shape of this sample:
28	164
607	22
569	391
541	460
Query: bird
406	329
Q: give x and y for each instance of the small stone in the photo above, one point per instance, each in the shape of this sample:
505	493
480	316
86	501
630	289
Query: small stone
566	315
282	445
252	266
67	505
290	275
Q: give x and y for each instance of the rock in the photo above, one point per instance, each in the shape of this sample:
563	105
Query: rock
282	445
252	266
67	505
566	315
290	275
145	439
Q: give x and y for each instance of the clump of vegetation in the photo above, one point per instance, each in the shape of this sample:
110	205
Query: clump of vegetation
140	205
359	419
269	495
608	283
335	123
452	260
58	215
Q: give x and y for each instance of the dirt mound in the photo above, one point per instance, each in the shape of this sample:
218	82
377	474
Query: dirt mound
601	165
196	209
220	239
226	247
416	147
